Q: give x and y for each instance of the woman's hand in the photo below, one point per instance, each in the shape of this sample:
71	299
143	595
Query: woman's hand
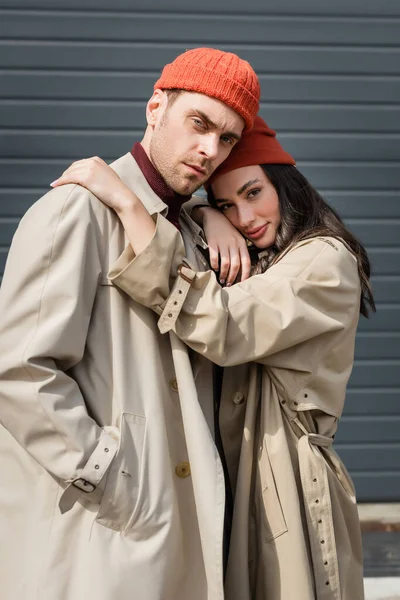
96	176
227	247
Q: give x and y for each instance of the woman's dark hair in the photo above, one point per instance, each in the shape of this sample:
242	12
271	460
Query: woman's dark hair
305	214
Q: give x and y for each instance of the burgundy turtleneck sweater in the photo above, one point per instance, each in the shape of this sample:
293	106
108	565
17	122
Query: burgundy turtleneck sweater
173	200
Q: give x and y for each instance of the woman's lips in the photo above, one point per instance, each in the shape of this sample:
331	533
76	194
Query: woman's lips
258	232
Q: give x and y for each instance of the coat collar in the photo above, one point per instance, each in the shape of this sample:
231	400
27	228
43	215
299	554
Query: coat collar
129	172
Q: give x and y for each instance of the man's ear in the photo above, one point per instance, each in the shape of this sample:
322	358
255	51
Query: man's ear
156	107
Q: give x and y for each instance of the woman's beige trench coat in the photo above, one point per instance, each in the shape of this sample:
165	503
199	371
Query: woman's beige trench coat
295	529
90	391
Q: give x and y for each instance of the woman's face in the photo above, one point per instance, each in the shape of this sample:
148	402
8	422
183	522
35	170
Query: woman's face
250	202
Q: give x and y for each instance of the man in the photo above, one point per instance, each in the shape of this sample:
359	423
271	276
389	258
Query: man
112	486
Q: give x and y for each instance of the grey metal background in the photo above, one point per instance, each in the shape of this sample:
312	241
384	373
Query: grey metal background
74	78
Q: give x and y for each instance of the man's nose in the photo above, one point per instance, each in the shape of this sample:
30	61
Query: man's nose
209	146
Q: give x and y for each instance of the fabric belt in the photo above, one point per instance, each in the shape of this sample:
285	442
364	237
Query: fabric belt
318	509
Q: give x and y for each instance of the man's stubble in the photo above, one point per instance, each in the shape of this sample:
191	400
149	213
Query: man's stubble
168	166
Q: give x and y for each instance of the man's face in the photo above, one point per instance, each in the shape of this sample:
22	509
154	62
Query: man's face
190	137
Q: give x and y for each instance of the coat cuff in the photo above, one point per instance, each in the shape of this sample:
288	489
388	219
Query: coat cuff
91	474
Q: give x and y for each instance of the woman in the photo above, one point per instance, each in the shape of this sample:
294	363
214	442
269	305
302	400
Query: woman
295	530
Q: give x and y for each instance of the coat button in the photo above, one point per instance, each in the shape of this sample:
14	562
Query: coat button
238	398
174	384
183	469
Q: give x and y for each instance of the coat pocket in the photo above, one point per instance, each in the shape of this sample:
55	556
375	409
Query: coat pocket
121	495
272	519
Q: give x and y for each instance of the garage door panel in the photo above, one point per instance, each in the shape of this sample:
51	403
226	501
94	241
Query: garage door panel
183	28
341	146
333	88
372	401
367	457
378	346
368	429
15	202
376	373
3	258
331	118
121	85
308	7
384	261
137	56
375	232
61	144
7	230
125	115
72	85
382	486
364	203
352	176
387	318
386	288
73	114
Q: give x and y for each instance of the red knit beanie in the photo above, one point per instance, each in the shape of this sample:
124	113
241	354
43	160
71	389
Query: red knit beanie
258	146
217	74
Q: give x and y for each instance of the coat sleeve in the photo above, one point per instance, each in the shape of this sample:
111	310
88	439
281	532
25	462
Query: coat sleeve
46	301
312	291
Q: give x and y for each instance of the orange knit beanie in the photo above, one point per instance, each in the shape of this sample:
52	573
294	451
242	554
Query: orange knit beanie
258	146
217	74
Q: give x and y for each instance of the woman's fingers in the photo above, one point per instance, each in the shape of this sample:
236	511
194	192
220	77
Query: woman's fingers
234	267
245	262
214	256
224	261
80	171
74	174
230	257
234	259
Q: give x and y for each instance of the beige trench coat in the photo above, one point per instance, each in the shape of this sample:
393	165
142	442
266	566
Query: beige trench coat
92	393
296	533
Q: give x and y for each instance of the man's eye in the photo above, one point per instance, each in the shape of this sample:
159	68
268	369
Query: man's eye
198	123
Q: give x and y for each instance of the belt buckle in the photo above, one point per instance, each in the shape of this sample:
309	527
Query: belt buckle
84	485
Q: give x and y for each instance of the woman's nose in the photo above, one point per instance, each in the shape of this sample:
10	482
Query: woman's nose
246	216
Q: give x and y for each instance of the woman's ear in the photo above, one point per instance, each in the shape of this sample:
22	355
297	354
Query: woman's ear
156	107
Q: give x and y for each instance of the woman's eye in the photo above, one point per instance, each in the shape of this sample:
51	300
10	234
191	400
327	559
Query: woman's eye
224	207
227	140
253	193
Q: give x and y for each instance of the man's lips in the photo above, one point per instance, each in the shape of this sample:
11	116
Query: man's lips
196	169
257	232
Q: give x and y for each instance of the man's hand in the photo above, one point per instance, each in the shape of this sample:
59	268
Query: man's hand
227	247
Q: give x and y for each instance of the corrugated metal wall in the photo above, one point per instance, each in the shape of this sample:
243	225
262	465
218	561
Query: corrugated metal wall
74	78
